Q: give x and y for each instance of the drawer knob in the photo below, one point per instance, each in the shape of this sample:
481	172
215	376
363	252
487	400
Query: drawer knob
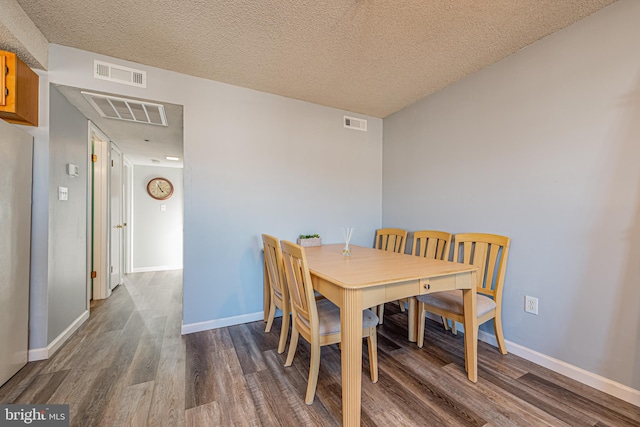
427	286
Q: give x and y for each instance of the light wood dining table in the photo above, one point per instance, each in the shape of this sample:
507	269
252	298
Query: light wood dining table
370	277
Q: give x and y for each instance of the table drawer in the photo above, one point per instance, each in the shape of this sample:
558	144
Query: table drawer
445	283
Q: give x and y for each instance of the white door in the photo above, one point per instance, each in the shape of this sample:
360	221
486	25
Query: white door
98	210
15	231
116	219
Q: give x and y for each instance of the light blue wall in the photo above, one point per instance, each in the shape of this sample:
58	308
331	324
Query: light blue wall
254	163
542	147
157	233
67	293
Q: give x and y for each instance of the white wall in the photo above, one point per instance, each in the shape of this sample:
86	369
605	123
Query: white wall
542	147
254	163
157	233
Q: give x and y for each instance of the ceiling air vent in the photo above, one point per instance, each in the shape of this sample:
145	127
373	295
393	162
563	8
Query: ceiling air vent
353	123
119	74
130	110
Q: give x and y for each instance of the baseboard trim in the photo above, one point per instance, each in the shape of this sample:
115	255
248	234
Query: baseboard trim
36	354
596	381
45	353
158	268
190	328
591	379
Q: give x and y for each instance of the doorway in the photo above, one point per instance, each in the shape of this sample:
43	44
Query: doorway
138	152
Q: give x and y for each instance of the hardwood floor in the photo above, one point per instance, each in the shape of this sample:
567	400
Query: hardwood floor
129	365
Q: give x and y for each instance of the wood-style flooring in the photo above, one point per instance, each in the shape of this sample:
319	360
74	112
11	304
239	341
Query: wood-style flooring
128	365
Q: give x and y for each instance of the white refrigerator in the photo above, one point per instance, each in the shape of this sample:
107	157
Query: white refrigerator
16	153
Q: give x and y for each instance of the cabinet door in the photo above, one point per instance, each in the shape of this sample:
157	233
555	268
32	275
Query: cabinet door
3	80
19	100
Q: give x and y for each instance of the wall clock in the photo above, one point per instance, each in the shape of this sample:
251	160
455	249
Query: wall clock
160	188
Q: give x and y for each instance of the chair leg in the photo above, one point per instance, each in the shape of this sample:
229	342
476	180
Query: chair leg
422	314
497	327
454	331
445	323
313	373
380	313
372	344
401	304
272	314
292	345
284	332
466	357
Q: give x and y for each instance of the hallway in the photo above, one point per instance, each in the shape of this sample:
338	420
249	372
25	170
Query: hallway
124	366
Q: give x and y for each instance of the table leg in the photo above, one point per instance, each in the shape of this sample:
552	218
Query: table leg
412	319
351	335
471	333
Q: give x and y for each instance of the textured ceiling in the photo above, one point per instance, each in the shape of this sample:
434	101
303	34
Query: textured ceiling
367	56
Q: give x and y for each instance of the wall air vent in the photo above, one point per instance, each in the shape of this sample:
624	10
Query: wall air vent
353	123
119	74
130	110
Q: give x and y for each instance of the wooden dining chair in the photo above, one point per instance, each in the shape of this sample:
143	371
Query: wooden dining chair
489	252
391	240
318	321
278	288
433	245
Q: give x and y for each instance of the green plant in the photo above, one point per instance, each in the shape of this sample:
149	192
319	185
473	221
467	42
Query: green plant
309	236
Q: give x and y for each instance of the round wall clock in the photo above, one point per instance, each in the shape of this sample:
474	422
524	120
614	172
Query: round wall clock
160	188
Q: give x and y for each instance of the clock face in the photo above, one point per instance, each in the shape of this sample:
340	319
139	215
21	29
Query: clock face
160	188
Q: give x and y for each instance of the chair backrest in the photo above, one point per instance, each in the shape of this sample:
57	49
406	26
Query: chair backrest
489	252
273	259
391	240
431	244
298	279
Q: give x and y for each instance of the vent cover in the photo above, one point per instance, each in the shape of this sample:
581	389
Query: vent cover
130	110
119	74
353	123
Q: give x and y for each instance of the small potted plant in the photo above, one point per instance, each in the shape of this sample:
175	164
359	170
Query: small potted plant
306	240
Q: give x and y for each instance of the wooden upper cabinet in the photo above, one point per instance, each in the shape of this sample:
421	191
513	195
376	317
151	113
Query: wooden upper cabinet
18	91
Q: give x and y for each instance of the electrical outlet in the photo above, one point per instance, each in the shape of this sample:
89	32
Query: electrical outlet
531	304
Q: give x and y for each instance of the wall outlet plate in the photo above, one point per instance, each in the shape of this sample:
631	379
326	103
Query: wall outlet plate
63	193
531	304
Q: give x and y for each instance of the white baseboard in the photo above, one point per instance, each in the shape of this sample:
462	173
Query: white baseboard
221	323
37	354
596	381
45	353
157	268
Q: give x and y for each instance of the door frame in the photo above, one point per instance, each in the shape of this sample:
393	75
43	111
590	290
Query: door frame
128	214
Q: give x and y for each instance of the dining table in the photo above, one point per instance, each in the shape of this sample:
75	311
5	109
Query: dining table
369	277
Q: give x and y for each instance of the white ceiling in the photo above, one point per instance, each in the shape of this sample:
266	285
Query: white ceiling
372	57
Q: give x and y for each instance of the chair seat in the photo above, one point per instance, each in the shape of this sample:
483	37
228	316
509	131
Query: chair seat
452	301
329	316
